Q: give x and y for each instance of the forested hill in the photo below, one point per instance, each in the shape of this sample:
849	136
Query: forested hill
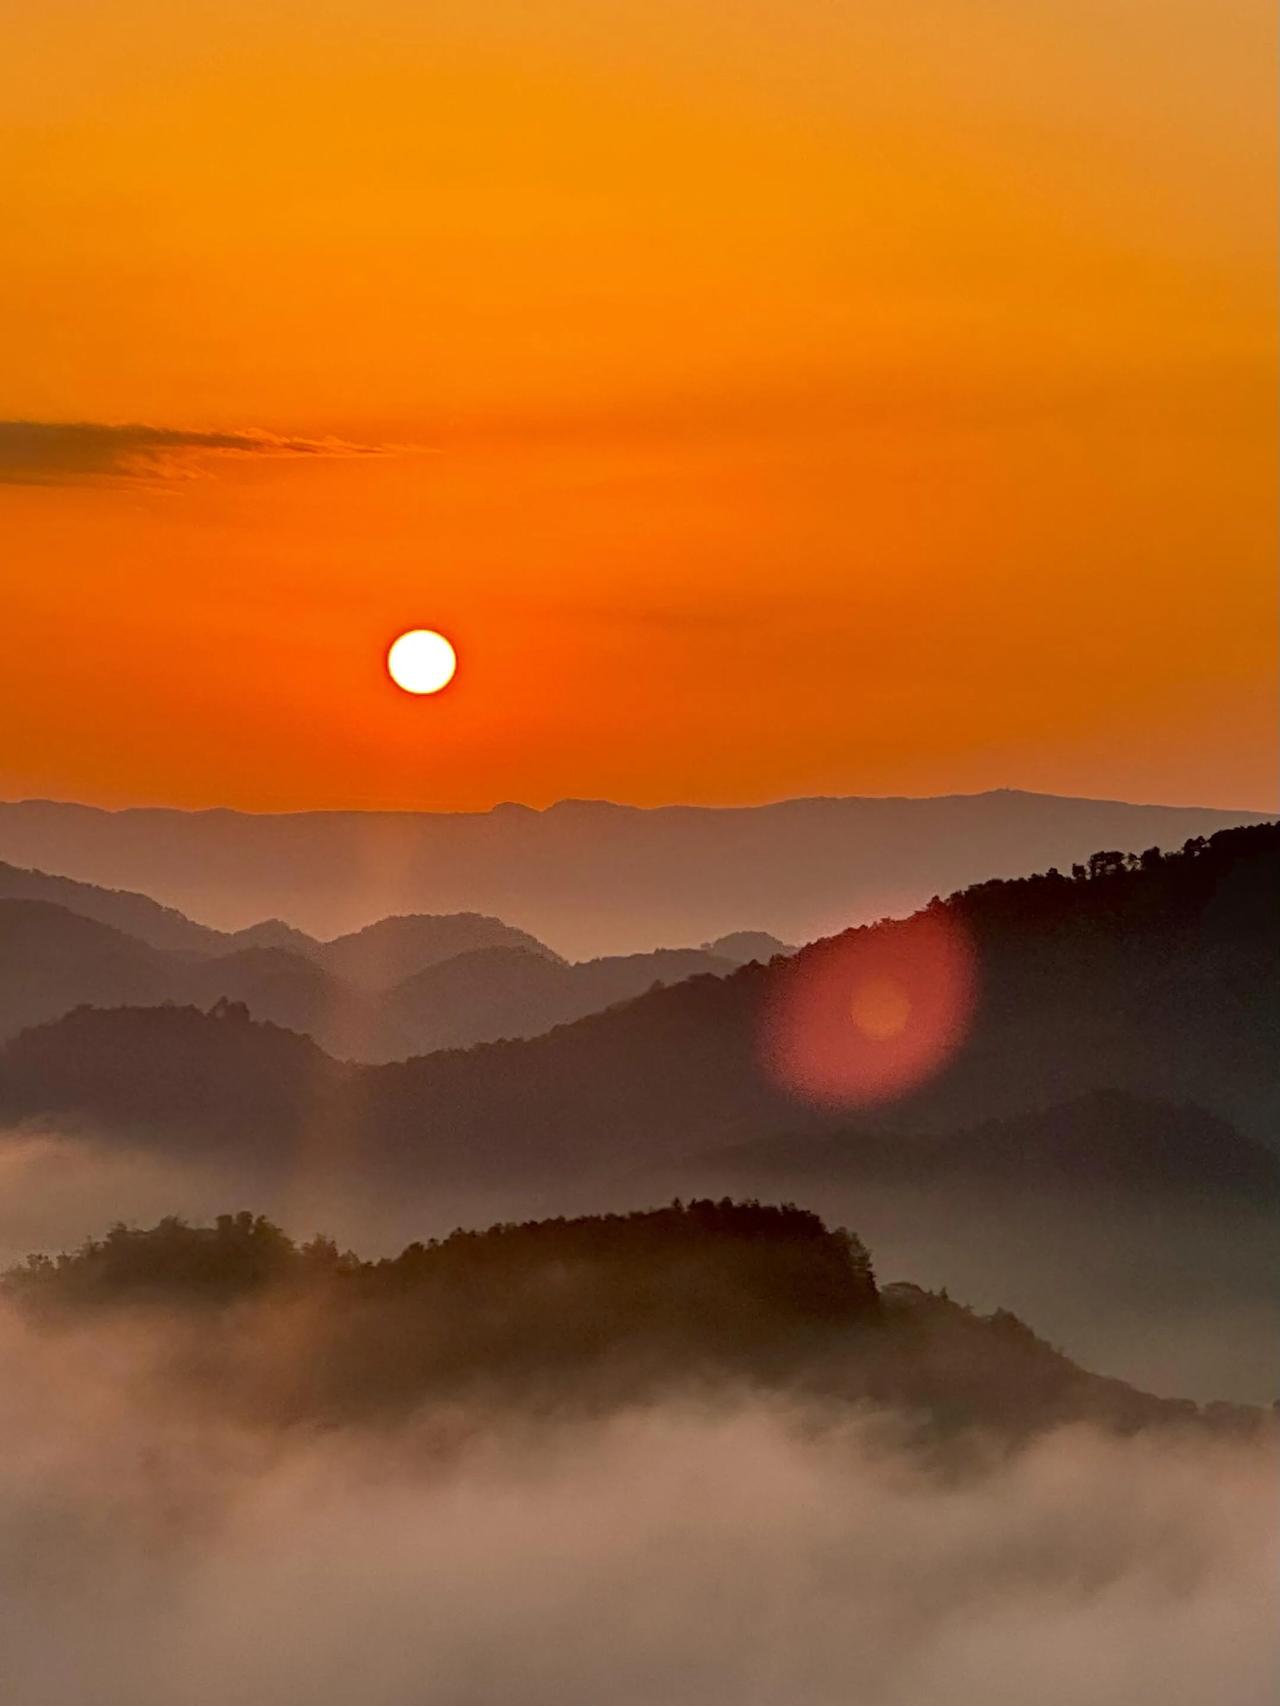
596	1311
1159	976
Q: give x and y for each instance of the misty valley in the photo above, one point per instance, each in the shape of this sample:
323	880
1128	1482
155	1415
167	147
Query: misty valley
639	859
890	1313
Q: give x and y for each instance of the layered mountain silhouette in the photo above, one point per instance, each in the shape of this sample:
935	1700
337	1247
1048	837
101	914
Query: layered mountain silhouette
135	915
1098	1152
374	957
590	877
400	987
1159	978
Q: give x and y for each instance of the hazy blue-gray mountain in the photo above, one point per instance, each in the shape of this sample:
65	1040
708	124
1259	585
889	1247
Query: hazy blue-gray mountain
589	877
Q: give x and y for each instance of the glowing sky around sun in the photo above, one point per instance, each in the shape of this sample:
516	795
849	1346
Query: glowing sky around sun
768	399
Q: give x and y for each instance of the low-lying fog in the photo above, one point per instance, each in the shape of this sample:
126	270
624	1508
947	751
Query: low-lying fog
1184	1304
154	1554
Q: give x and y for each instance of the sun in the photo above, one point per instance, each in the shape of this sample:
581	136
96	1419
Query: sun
421	661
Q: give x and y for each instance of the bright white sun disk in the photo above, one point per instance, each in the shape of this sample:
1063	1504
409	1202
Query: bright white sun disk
421	661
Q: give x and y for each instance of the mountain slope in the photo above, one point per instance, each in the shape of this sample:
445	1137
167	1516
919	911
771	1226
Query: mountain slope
52	960
604	1310
592	877
402	986
135	914
498	992
1163	981
381	954
1058	1164
385	953
1104	1143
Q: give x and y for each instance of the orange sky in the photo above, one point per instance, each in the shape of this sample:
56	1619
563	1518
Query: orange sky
768	399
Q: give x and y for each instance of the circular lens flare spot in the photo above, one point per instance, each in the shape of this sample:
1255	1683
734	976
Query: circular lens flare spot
867	1016
421	661
881	1008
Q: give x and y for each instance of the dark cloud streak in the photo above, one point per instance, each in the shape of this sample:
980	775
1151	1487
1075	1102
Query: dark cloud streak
55	453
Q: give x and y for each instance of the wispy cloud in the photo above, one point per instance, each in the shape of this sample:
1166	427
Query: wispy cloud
44	453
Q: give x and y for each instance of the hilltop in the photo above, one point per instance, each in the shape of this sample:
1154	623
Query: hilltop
593	1311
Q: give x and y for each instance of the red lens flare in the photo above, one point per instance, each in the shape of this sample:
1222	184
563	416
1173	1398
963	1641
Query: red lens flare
869	1015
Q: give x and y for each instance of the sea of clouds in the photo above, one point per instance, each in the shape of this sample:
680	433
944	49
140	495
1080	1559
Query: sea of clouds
158	1550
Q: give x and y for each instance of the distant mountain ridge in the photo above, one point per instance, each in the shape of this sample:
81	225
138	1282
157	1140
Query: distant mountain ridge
400	987
134	914
1161	980
592	877
375	956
